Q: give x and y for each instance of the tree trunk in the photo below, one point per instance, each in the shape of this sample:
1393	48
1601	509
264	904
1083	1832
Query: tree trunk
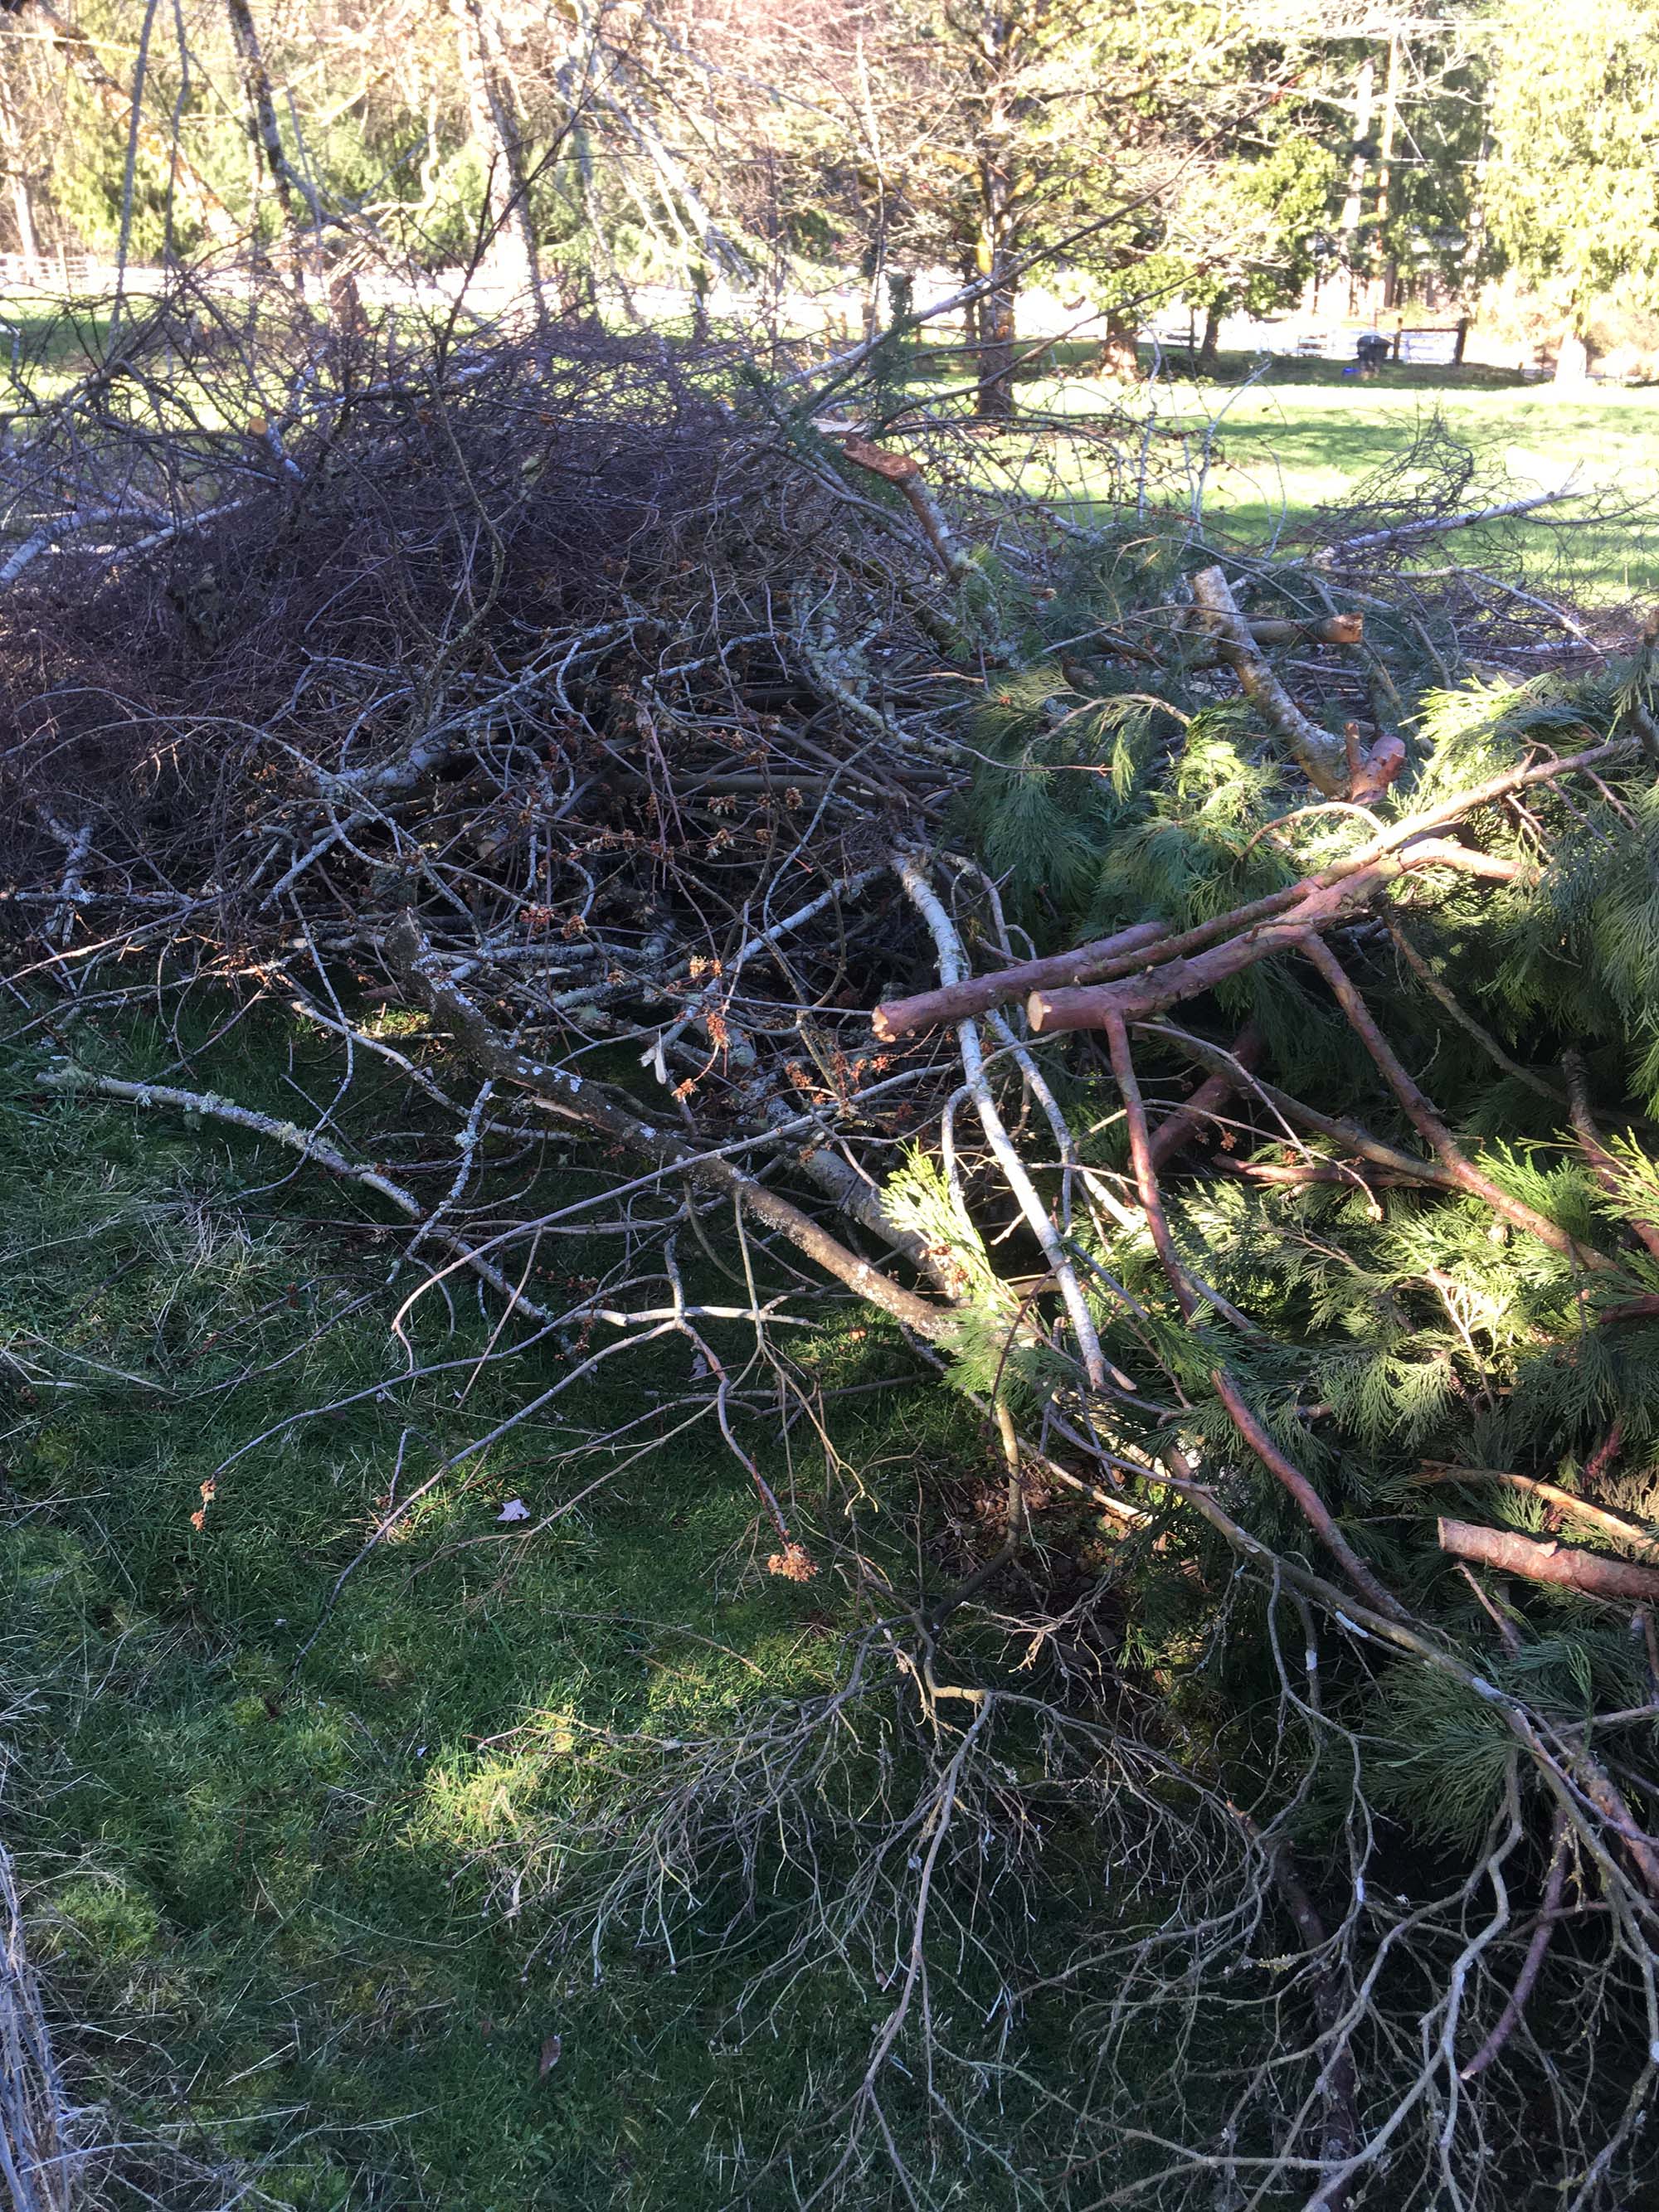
996	348
1210	346
1385	168
28	244
295	200
14	143
1571	362
993	259
1359	147
495	136
970	332
1119	356
1359	155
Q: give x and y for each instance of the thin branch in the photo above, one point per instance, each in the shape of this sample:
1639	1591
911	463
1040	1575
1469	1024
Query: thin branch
1426	1121
594	1106
1313	1507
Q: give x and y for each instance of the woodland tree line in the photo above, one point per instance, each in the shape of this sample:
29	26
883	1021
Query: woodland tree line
1218	155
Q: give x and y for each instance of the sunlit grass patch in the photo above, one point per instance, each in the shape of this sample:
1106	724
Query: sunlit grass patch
1269	449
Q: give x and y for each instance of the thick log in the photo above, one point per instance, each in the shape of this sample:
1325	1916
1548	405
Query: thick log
1334	629
959	1002
1564	1501
1558	1563
1265	630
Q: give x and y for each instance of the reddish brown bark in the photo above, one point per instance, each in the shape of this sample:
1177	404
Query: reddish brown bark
1315	904
1524	1981
1182	1128
1140	1154
1603	1164
1421	1113
1313	1507
1557	1564
1334	629
1146	942
957	1002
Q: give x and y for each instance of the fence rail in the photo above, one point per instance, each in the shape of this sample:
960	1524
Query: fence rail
1441	345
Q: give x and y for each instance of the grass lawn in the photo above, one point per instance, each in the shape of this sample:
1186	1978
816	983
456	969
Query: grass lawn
271	1876
1302	436
1299	435
1289	447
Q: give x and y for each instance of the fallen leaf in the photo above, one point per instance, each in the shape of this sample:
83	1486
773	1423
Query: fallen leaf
552	2049
794	1563
515	1510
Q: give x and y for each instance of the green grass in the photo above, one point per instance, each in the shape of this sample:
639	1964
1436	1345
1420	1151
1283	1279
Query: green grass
1299	435
273	1887
43	349
1290	447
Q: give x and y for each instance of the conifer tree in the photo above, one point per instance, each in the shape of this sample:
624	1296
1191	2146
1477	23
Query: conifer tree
1573	195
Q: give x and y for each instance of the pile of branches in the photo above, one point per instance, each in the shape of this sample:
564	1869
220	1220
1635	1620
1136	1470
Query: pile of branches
1201	1001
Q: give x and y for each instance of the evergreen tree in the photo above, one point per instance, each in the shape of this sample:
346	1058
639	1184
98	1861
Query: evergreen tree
1573	195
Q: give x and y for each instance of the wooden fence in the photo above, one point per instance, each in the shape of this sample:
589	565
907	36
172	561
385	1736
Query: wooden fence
1440	345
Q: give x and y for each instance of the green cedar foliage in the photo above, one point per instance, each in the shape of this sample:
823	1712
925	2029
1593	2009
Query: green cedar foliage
1380	1329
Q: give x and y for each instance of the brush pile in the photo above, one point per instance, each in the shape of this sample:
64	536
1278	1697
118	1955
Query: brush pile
1205	1003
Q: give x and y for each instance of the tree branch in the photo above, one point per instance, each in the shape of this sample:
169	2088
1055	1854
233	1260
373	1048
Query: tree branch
1611	1524
1182	1128
1322	757
1314	1509
1587	1571
1421	1114
575	1098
